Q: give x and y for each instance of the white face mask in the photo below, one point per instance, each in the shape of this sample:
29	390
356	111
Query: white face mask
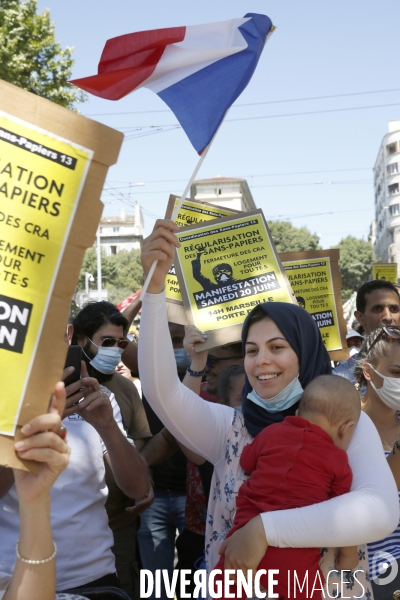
389	393
285	399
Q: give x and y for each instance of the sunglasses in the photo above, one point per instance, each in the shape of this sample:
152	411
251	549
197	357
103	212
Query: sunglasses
392	332
211	360
109	342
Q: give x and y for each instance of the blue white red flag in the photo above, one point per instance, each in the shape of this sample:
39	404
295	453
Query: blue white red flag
199	71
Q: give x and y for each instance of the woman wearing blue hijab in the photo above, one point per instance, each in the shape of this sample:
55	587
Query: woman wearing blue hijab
283	352
301	332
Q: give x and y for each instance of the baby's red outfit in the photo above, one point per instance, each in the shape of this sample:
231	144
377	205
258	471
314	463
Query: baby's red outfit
292	464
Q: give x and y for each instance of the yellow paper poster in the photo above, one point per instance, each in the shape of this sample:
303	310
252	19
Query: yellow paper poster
312	284
190	213
228	268
41	178
386	271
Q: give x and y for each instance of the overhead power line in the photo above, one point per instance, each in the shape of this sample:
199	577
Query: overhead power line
312	112
283	174
316	214
305	99
160	129
280	216
273	185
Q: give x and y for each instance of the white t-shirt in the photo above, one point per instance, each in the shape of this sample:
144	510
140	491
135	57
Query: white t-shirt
78	517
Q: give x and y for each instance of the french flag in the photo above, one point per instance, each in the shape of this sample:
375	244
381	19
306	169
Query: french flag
199	71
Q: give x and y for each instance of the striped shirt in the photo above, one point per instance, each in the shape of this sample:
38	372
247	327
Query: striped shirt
390	544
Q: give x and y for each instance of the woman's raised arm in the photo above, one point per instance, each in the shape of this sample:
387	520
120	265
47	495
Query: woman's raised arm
34	576
199	425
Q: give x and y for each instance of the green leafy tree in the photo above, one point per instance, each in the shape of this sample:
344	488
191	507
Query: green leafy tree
89	265
288	238
121	273
128	270
128	275
355	264
30	56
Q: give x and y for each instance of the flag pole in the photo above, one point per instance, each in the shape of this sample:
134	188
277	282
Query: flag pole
179	205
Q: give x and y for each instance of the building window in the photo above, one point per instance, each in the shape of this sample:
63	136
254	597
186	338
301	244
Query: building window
115	229
394	209
392	169
100	230
113	249
391	148
393	189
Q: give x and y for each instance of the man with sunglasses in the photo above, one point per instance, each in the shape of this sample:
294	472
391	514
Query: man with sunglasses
378	305
100	329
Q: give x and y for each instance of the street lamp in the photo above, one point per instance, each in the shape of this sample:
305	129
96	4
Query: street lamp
88	277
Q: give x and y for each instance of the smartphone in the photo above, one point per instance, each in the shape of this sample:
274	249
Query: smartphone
74	357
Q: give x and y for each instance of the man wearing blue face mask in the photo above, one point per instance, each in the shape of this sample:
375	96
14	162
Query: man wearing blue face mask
100	329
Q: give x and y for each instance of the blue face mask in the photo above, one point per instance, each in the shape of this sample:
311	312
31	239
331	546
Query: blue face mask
182	358
106	359
285	399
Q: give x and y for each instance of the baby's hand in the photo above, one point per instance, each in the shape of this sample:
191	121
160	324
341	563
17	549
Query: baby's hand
347	558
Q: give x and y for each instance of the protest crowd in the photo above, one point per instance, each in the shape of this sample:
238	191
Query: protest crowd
174	454
173	479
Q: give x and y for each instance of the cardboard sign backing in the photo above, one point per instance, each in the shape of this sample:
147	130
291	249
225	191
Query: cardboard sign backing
53	163
316	282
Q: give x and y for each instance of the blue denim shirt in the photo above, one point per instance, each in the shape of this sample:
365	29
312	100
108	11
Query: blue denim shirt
346	370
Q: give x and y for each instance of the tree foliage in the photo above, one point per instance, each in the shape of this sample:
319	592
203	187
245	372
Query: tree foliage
30	56
355	264
121	273
288	238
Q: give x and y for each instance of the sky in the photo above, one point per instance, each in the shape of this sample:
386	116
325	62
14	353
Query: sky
305	133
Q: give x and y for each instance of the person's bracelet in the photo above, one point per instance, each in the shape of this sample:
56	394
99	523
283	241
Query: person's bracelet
195	373
35	562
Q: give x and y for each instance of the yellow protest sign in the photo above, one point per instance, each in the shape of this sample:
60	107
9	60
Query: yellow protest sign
41	178
191	212
53	163
315	280
225	269
386	271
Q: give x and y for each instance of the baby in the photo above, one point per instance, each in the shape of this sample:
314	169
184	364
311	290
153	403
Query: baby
298	462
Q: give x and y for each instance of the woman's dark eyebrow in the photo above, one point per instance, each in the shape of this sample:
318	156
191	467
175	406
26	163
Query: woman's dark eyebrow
267	341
